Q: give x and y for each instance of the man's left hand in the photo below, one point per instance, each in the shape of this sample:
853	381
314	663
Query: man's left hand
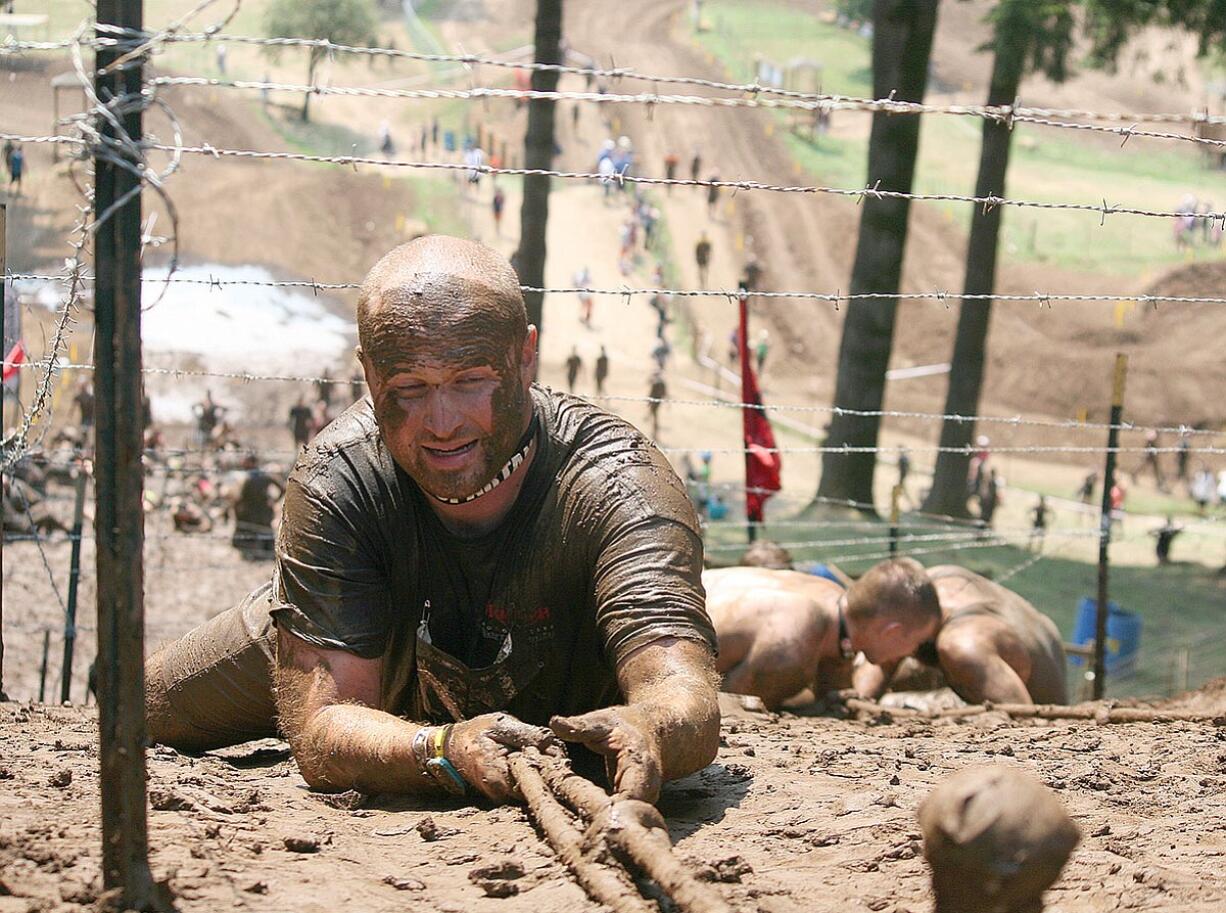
626	740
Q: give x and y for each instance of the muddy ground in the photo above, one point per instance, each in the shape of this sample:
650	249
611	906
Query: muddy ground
797	813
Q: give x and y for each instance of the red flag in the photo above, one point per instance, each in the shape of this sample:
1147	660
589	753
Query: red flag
762	462
16	357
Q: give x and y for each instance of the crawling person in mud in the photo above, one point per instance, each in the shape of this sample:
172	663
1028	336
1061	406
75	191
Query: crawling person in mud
781	631
468	564
992	645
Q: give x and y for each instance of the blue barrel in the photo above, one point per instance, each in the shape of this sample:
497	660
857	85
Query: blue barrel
1123	633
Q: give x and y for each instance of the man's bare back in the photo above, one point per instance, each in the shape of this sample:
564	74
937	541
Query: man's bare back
994	645
777	630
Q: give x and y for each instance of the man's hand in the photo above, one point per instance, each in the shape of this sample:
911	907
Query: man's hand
479	747
628	744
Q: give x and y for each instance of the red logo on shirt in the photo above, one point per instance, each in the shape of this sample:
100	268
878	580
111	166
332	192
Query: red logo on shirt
528	618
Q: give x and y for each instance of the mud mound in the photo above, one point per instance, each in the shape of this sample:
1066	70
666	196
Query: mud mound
1208	698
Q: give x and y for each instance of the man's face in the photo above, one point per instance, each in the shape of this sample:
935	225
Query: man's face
451	423
886	639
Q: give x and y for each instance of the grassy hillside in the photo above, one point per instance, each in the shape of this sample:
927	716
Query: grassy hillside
1048	165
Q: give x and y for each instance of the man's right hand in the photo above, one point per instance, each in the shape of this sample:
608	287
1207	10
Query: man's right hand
478	748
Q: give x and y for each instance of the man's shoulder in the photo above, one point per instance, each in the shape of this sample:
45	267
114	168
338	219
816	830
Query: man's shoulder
350	444
604	458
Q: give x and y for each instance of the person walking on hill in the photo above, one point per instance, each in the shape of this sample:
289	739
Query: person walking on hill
300	422
702	256
583	281
1038	525
695	164
499	203
17	168
1163	537
761	349
713	197
657	393
602	370
323	387
671	161
574	364
1150	460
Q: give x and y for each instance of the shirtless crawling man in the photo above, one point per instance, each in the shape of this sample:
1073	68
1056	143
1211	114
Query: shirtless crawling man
781	631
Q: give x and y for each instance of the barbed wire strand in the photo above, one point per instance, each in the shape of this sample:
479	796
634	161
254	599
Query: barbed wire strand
1015	420
946	297
1008	114
874	191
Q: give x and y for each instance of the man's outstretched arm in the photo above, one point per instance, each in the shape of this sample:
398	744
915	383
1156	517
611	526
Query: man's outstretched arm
669	725
327	702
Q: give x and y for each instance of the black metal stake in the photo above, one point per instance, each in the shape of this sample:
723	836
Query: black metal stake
895	495
119	518
1104	526
42	670
74	578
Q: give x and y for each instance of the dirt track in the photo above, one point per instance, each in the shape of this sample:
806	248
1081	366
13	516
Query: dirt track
797	814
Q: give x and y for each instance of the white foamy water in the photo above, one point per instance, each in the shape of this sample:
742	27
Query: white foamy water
248	329
241	327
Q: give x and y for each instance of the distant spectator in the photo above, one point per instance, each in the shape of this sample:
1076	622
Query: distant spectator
602	370
583	281
323	388
498	203
208	415
1085	493
1163	537
17	168
300	417
84	401
1182	456
1038	524
356	383
254	510
762	349
1150	460
574	364
989	499
657	392
702	257
1202	488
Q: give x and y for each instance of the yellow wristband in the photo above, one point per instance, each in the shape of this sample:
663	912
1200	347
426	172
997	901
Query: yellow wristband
440	739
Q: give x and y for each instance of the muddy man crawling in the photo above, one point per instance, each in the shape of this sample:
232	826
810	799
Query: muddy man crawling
467	564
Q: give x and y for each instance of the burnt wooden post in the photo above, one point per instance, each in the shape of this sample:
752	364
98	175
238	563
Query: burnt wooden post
119	519
1104	525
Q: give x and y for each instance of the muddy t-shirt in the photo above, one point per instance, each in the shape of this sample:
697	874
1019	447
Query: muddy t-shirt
600	555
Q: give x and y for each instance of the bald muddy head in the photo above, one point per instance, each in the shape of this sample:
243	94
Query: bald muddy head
996	839
449	358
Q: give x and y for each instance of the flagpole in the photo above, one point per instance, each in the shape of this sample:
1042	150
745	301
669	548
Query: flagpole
751	530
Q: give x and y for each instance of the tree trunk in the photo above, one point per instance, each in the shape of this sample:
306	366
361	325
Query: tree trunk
538	153
948	494
902	43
